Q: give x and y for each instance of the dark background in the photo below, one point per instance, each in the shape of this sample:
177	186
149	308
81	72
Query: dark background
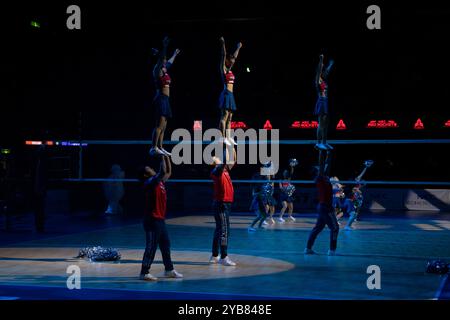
95	83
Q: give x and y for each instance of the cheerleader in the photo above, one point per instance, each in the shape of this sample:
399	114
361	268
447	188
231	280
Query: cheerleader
161	103
270	202
338	197
227	104
321	110
287	192
258	203
352	206
357	193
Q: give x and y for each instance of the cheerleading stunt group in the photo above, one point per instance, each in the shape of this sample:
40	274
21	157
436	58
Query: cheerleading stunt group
332	202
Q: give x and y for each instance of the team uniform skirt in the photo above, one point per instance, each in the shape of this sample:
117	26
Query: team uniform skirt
161	106
226	101
321	106
286	197
270	201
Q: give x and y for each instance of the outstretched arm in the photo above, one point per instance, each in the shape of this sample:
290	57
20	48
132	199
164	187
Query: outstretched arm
231	164
172	59
292	171
358	178
221	165
322	159
168	168
162	173
328	68
236	52
223	55
217	171
367	164
327	163
162	55
319	70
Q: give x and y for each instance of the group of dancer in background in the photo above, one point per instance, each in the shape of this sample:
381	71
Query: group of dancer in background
263	200
349	205
264	203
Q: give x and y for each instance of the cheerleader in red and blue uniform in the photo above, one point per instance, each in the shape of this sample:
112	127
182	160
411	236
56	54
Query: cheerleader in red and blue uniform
227	104
321	110
161	103
287	192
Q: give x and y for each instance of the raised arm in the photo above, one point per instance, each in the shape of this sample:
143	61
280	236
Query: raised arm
321	162
168	168
162	55
223	55
358	178
326	73
236	52
219	165
172	59
230	164
367	165
218	169
327	163
162	174
319	69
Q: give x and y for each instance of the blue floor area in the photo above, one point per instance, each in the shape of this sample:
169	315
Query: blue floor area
399	242
54	293
21	228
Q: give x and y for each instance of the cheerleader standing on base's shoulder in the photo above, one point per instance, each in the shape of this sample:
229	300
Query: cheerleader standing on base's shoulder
227	104
161	103
321	110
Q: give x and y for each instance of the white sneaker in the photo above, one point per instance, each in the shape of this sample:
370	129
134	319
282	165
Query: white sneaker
231	140
214	260
148	277
173	274
251	229
309	251
291	218
167	153
281	220
225	140
265	223
227	262
156	151
331	252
